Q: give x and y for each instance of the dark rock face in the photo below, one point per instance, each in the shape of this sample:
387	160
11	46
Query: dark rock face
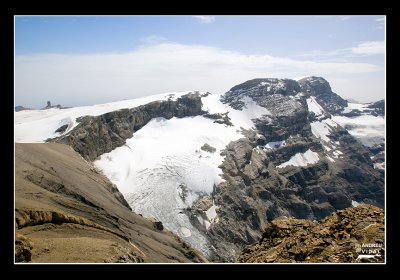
280	128
62	129
256	190
95	136
206	147
344	236
269	85
273	94
320	88
158	225
219	118
378	108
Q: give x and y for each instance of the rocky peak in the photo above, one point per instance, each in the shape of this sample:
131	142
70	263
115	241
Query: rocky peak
270	92
321	89
315	85
258	89
268	86
279	96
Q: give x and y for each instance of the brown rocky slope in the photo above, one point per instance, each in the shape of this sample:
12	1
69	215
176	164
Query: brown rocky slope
66	211
346	236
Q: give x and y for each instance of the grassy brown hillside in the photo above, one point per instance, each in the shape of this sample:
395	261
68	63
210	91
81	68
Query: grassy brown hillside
66	211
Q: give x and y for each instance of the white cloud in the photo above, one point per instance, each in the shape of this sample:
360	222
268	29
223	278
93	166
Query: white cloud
363	88
205	19
381	23
362	49
95	78
345	17
153	39
368	48
334	17
317	53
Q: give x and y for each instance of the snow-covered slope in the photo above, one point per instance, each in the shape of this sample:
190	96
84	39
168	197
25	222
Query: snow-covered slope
163	169
301	159
36	126
314	107
239	118
322	129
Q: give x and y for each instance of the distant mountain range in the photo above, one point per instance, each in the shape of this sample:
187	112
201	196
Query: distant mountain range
21	108
48	106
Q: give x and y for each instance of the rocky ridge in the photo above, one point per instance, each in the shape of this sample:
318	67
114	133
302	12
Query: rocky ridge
352	235
96	135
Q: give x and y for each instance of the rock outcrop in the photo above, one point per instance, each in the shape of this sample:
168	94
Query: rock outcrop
346	236
97	135
23	248
378	108
49	106
320	88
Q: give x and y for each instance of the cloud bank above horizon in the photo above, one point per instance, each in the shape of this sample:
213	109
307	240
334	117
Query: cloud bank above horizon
162	66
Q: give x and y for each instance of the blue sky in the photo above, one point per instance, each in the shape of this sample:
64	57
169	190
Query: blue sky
75	60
